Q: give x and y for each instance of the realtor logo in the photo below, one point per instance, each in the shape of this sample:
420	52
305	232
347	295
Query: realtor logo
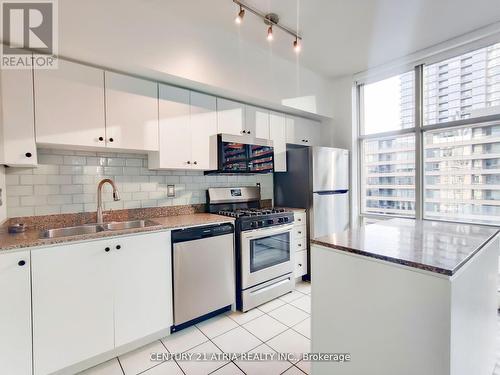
29	34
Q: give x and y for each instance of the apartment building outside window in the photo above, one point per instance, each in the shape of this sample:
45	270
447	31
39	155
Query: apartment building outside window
434	155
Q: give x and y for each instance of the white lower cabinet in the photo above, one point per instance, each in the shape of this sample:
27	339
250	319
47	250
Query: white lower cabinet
142	286
15	314
90	298
300	242
72	304
300	263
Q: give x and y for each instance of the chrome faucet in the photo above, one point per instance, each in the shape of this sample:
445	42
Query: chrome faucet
116	197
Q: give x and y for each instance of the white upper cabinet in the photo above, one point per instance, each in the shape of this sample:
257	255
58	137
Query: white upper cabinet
303	131
175	129
17	133
15	313
188	129
131	113
277	128
240	119
203	131
230	117
69	105
257	122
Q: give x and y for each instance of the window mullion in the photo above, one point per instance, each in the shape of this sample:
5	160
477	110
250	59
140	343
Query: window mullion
419	160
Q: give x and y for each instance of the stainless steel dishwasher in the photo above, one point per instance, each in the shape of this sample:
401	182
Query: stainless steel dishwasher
203	273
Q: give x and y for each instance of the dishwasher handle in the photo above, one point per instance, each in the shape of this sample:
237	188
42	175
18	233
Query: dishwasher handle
198	233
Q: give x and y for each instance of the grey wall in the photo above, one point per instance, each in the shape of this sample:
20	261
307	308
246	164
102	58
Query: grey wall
66	182
342	108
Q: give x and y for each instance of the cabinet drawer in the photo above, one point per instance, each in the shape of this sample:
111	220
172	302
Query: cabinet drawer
300	244
300	263
299	218
299	231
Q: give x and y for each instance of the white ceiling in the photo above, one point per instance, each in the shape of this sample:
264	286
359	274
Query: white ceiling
340	36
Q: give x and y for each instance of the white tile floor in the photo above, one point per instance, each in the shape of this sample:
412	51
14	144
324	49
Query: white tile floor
282	325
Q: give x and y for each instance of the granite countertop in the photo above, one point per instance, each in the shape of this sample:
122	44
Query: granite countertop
31	238
293	209
434	246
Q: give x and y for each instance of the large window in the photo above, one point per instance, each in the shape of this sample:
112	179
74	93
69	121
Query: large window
454	134
388	162
389	175
462	173
463	87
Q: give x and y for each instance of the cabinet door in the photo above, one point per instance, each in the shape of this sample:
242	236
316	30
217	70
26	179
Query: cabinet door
257	121
300	263
302	131
230	117
131	113
17	118
69	106
203	131
72	304
312	132
277	133
15	313
142	286
175	130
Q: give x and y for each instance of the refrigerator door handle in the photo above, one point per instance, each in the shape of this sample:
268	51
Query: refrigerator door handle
330	192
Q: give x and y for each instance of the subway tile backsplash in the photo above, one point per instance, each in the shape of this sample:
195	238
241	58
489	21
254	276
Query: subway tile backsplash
66	182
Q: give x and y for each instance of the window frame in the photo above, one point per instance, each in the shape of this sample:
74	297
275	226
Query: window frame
419	131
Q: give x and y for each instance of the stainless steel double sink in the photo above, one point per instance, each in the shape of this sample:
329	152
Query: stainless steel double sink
96	228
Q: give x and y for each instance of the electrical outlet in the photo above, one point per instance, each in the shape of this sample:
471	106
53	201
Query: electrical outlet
171	191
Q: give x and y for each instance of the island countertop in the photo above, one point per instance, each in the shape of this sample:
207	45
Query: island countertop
435	246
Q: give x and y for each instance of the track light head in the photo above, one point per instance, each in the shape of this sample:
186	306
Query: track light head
270	33
239	17
296	45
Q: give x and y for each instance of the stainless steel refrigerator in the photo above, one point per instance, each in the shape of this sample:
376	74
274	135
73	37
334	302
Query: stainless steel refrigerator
317	179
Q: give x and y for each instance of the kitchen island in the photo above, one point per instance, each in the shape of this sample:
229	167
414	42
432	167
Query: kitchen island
406	296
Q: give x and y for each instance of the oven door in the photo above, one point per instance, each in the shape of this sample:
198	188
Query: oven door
266	254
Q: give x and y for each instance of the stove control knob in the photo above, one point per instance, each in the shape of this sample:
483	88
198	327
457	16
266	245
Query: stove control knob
286	219
253	224
270	221
260	223
280	220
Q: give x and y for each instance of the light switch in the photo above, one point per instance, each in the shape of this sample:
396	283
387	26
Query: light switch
171	191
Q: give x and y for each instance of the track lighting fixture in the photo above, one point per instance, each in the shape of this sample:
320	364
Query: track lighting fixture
239	17
296	45
270	19
270	33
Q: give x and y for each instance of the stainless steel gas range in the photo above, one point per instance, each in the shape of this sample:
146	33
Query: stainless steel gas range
264	255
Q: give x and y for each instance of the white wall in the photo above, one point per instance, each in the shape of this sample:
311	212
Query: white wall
342	125
176	43
343	132
3	197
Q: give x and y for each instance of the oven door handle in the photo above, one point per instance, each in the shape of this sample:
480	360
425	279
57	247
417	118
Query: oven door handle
269	287
259	233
